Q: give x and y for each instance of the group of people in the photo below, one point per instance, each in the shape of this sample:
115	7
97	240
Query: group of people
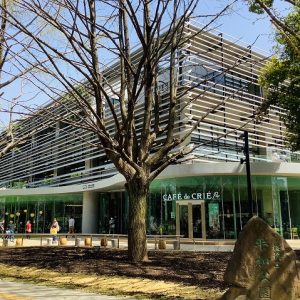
55	228
9	231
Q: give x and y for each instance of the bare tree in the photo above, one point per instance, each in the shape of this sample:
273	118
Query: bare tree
16	63
134	103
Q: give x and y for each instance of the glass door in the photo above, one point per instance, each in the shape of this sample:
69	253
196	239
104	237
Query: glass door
197	222
184	220
190	219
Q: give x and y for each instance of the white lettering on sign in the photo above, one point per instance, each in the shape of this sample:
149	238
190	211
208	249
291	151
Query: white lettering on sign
194	196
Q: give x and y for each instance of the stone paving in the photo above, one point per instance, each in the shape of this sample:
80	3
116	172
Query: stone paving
24	291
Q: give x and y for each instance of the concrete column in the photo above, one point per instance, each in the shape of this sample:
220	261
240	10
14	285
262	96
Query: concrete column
90	212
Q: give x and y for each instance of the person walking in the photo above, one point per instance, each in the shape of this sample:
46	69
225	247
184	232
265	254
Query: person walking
71	225
28	229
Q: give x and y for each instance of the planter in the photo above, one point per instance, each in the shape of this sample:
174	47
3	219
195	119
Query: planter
63	241
77	242
103	242
19	242
176	245
114	243
88	241
162	244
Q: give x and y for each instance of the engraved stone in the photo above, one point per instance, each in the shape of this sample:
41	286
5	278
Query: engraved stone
263	265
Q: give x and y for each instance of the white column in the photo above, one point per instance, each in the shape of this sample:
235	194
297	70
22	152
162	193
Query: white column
90	212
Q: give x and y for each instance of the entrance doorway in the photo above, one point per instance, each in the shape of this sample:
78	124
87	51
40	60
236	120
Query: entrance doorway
75	211
113	206
190	219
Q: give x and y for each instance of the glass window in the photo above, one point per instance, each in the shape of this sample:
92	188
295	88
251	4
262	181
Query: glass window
40	210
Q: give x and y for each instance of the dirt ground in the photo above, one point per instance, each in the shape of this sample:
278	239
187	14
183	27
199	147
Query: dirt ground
205	269
184	269
167	274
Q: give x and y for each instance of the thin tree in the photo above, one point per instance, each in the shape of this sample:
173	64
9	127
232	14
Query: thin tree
16	64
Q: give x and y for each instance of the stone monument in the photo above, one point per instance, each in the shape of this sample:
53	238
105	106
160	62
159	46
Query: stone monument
263	266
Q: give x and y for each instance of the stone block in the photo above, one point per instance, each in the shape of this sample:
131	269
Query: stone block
263	264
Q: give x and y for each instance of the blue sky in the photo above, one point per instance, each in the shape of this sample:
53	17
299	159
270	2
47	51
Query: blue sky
242	24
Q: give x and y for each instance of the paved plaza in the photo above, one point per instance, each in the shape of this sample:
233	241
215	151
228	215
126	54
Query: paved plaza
25	291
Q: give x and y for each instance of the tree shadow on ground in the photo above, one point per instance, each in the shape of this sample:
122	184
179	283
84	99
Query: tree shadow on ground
205	269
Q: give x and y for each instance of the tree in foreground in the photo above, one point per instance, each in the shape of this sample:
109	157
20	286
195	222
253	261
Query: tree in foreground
134	104
281	75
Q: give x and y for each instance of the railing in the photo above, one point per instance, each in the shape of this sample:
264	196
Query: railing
67	239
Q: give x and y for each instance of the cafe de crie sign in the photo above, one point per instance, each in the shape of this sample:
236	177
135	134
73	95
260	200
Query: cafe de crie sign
194	196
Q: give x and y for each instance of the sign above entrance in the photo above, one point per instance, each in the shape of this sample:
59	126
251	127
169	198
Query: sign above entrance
194	196
88	186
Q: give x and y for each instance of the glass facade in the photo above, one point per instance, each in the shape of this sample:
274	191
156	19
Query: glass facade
113	205
276	200
208	207
40	210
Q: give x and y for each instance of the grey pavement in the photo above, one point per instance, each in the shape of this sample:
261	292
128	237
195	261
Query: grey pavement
24	291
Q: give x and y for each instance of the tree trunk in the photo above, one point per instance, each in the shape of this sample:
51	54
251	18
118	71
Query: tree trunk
137	242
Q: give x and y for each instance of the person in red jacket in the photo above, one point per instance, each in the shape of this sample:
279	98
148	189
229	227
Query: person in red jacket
28	229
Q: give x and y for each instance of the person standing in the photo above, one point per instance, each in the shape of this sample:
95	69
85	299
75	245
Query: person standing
11	230
53	231
28	229
55	224
152	225
111	226
2	227
71	225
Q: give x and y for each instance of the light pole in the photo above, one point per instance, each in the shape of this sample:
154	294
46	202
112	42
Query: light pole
248	171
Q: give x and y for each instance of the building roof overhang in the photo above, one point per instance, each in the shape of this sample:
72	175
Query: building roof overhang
117	182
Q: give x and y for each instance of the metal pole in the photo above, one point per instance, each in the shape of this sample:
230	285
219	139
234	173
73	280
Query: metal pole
248	172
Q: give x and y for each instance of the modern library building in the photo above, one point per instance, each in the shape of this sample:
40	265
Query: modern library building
58	173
